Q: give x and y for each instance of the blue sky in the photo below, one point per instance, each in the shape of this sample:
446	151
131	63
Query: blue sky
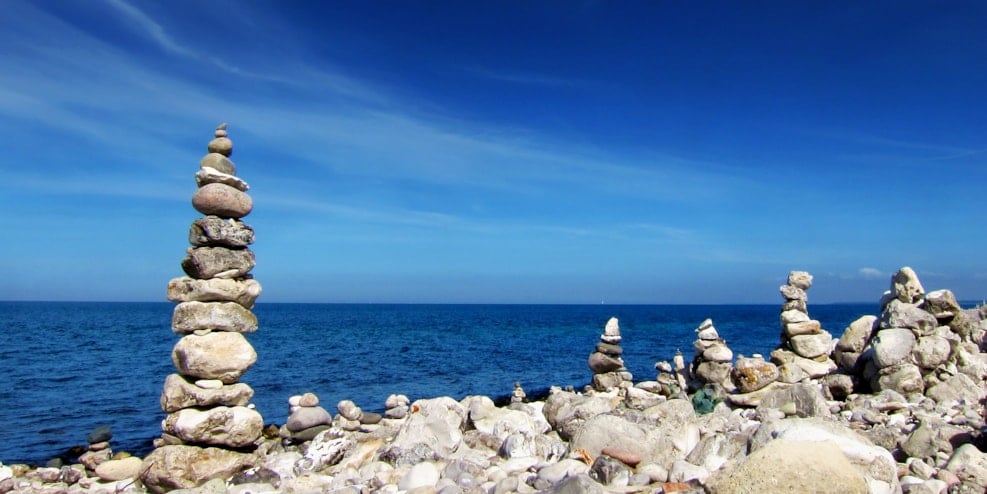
505	152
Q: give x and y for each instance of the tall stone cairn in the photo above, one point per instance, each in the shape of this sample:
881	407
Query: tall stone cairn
606	363
209	422
804	342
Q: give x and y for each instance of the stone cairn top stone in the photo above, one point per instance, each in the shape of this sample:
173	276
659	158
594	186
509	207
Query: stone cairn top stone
210	421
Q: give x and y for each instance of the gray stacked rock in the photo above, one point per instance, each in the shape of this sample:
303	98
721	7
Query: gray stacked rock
306	418
803	340
606	363
353	418
713	358
206	403
396	407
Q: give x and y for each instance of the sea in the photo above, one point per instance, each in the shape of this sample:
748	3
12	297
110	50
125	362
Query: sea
67	368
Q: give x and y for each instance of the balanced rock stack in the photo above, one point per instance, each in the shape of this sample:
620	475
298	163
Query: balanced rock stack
306	419
803	341
396	407
98	450
608	367
207	405
712	362
353	418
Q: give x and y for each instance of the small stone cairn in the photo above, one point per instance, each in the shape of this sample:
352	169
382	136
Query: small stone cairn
518	395
608	367
396	407
306	418
209	416
713	358
98	451
352	418
804	343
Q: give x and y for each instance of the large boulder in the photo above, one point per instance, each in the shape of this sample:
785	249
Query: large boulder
213	230
222	200
180	393
857	334
243	292
959	388
813	368
218	262
566	411
875	463
218	355
520	418
192	316
675	427
901	315
234	427
906	287
931	351
752	374
806	400
904	378
437	423
613	432
892	346
812	345
941	304
791	466
184	467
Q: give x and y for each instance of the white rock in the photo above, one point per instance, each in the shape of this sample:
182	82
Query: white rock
424	474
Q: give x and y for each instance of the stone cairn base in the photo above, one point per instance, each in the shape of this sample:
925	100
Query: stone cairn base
606	362
210	422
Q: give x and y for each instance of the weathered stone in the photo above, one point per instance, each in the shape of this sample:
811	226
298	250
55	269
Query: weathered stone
715	450
812	368
849	361
807	399
609	471
349	410
221	145
677	431
396	400
184	467
209	175
437	422
566	411
941	304
713	372
233	427
213	230
839	385
600	363
752	374
791	466
192	316
800	279
179	393
906	287
218	262
308	400
578	484
892	346
959	388
611	332
718	352
790	373
931	351
424	474
969	464
611	431
901	315
308	417
790	316
812	345
803	328
857	334
114	470
222	200
218	355
798	305
609	349
185	289
904	378
219	162
792	293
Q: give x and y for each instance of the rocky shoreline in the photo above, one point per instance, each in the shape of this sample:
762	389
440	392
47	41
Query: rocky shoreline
896	404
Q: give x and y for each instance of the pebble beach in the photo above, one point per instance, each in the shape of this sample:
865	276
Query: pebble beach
891	402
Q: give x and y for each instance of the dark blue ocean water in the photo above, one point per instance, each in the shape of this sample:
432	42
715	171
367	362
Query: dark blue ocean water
66	368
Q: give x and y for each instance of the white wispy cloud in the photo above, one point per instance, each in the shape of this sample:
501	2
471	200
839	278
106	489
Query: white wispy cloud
871	273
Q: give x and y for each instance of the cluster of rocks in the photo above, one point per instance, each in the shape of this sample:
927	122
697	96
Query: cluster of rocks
396	406
208	408
804	342
713	358
305	418
606	362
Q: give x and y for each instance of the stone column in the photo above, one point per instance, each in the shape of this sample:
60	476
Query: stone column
803	340
209	422
606	363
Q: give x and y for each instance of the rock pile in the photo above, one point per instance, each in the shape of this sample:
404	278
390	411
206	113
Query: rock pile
306	418
713	359
207	406
607	365
804	343
396	406
98	451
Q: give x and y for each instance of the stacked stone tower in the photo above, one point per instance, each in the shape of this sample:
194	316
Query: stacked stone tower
803	340
712	361
607	365
207	406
